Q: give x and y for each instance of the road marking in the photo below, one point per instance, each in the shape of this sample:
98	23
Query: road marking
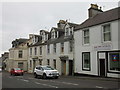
46	85
24	80
98	87
10	77
60	82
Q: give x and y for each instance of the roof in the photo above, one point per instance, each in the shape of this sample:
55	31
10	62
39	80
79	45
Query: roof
37	44
73	24
111	15
58	29
44	31
59	40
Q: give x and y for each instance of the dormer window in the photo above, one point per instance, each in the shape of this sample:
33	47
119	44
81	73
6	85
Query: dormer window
54	34
71	31
66	31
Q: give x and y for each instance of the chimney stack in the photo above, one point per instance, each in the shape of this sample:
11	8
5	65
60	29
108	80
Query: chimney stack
94	10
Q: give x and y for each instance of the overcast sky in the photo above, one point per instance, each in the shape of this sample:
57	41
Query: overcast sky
19	19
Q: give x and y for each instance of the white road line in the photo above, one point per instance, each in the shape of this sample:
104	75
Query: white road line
46	85
10	77
24	80
98	87
59	82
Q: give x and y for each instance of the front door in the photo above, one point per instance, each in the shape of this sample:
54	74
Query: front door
102	67
64	67
70	67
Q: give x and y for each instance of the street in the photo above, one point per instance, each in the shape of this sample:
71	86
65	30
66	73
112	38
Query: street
28	81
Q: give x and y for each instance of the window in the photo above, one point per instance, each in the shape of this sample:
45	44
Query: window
54	62
62	47
114	61
20	65
86	36
52	36
48	62
40	50
67	31
86	60
106	33
48	48
35	51
30	51
40	61
30	63
71	32
71	46
54	48
56	34
20	55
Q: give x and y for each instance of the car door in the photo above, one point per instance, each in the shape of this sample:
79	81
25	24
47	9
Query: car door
39	71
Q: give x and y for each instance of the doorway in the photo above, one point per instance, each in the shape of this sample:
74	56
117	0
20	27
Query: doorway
102	67
64	67
70	67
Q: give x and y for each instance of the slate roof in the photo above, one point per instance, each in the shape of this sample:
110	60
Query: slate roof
58	29
111	15
60	39
73	24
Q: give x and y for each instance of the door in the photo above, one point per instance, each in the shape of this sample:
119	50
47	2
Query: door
102	67
64	68
70	67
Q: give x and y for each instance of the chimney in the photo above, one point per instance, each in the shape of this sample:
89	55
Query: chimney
61	24
94	10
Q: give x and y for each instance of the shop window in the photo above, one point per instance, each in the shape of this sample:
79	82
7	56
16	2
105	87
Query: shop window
114	61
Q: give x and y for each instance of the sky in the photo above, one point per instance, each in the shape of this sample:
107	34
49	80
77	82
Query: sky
19	19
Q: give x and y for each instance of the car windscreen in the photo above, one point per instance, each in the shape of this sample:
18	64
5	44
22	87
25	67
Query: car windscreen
17	69
47	68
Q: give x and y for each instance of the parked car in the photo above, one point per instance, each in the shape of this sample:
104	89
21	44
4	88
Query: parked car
0	69
16	71
45	72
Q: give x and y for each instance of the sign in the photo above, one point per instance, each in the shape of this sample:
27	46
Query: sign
115	57
103	47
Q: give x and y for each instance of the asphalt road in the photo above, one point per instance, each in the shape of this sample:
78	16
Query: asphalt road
28	81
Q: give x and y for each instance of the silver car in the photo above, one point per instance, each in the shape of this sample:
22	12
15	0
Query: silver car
45	71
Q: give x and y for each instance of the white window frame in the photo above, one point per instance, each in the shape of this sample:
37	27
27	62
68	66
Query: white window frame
40	50
106	32
86	36
88	69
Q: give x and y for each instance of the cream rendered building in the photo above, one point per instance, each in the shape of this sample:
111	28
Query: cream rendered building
18	54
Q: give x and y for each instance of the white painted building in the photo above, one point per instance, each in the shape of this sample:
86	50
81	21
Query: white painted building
97	45
57	49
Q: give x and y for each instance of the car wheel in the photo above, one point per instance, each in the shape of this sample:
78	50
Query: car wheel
35	75
22	74
44	76
56	77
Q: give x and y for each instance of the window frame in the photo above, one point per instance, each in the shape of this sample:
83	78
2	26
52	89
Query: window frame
110	59
54	47
103	36
62	47
48	48
83	68
87	36
54	63
40	50
35	50
20	54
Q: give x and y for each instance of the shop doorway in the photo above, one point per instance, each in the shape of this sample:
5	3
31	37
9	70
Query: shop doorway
102	67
